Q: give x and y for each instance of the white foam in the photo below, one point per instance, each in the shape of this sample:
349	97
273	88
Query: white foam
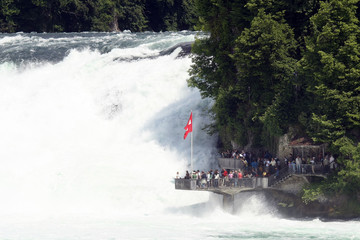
89	147
84	135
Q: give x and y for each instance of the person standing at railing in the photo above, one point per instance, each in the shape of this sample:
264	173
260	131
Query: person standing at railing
216	179
267	165
254	165
231	174
303	165
208	178
273	162
326	164
203	179
332	163
312	162
224	176
235	177
292	166
246	164
272	166
298	164
187	175
234	154
240	177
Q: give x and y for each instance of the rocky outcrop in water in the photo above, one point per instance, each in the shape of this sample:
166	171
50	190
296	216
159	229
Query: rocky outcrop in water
185	49
327	208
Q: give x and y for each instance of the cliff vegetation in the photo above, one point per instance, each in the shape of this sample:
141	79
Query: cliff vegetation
95	15
274	65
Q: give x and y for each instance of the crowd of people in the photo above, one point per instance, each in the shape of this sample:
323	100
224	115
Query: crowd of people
217	178
256	167
269	165
264	166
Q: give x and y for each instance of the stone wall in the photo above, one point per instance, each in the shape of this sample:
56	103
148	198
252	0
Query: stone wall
284	149
293	184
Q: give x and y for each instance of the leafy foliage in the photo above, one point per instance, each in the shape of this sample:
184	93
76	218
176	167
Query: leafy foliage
264	56
250	57
331	67
96	15
348	179
312	193
273	65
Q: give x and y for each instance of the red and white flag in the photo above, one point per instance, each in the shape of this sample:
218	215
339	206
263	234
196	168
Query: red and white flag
188	127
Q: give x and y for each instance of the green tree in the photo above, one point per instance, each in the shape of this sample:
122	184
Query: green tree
74	15
35	15
96	15
132	15
213	68
105	16
213	71
251	62
8	10
266	64
115	15
331	68
170	15
348	178
297	14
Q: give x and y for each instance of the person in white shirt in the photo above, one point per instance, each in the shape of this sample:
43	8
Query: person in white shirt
312	162
332	163
216	179
298	164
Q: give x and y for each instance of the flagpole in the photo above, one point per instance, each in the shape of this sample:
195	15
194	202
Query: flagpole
191	157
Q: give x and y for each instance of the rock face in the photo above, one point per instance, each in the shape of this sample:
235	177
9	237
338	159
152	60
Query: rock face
185	49
284	149
285	200
293	185
289	145
291	206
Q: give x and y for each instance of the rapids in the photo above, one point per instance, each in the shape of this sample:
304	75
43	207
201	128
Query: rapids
91	137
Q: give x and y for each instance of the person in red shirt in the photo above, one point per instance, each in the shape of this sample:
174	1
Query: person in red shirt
240	176
224	175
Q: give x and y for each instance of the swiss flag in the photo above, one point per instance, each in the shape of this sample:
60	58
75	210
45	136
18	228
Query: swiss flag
188	127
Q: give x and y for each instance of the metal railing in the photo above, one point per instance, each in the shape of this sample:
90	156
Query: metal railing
282	173
230	163
197	184
309	169
253	182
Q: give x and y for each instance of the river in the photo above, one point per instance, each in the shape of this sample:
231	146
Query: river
91	137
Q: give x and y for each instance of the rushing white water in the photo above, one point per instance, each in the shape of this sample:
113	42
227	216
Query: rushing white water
91	136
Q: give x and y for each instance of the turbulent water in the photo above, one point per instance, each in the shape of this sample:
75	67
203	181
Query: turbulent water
91	136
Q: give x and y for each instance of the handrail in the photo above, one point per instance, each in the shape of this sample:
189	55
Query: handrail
253	182
195	184
278	176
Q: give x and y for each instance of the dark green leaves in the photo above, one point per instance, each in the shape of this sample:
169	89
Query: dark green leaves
96	15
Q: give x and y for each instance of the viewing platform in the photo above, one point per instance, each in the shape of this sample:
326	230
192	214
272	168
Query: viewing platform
288	180
233	186
224	186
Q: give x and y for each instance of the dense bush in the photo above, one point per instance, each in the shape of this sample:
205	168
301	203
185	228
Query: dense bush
95	15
